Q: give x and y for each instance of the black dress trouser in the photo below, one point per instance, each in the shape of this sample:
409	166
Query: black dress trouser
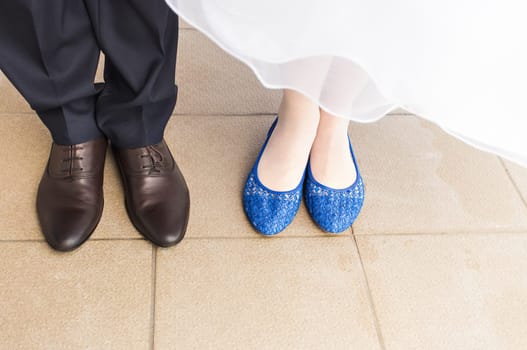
49	49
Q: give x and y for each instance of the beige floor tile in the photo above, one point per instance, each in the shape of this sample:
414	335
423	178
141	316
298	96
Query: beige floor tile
449	291
519	176
216	154
184	25
99	76
98	297
262	294
25	153
212	82
10	100
203	146
420	180
435	184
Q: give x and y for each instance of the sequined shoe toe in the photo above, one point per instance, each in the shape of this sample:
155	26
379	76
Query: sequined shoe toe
269	211
334	210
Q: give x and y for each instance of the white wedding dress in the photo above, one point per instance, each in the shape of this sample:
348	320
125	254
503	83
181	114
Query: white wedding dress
461	64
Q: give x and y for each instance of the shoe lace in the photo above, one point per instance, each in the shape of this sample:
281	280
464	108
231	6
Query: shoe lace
70	157
156	159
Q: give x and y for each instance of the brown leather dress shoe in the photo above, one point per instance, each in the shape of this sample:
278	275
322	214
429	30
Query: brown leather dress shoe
156	194
70	196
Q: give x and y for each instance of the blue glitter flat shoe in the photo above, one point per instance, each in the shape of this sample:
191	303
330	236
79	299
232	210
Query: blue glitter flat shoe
334	210
270	212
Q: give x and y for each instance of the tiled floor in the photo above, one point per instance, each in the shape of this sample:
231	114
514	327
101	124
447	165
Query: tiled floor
437	259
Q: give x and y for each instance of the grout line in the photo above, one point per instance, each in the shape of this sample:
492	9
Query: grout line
7	114
509	175
177	114
118	239
315	236
21	240
452	233
258	114
153	298
186	238
263	238
376	321
261	114
87	242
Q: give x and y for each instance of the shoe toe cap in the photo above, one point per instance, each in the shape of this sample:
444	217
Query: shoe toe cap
68	229
63	243
334	211
163	224
272	213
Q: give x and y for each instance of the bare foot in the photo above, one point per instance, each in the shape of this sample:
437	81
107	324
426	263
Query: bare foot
331	161
285	157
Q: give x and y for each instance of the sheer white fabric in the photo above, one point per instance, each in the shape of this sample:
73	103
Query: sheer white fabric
459	63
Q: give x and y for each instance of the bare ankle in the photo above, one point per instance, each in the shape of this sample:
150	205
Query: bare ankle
332	126
298	112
